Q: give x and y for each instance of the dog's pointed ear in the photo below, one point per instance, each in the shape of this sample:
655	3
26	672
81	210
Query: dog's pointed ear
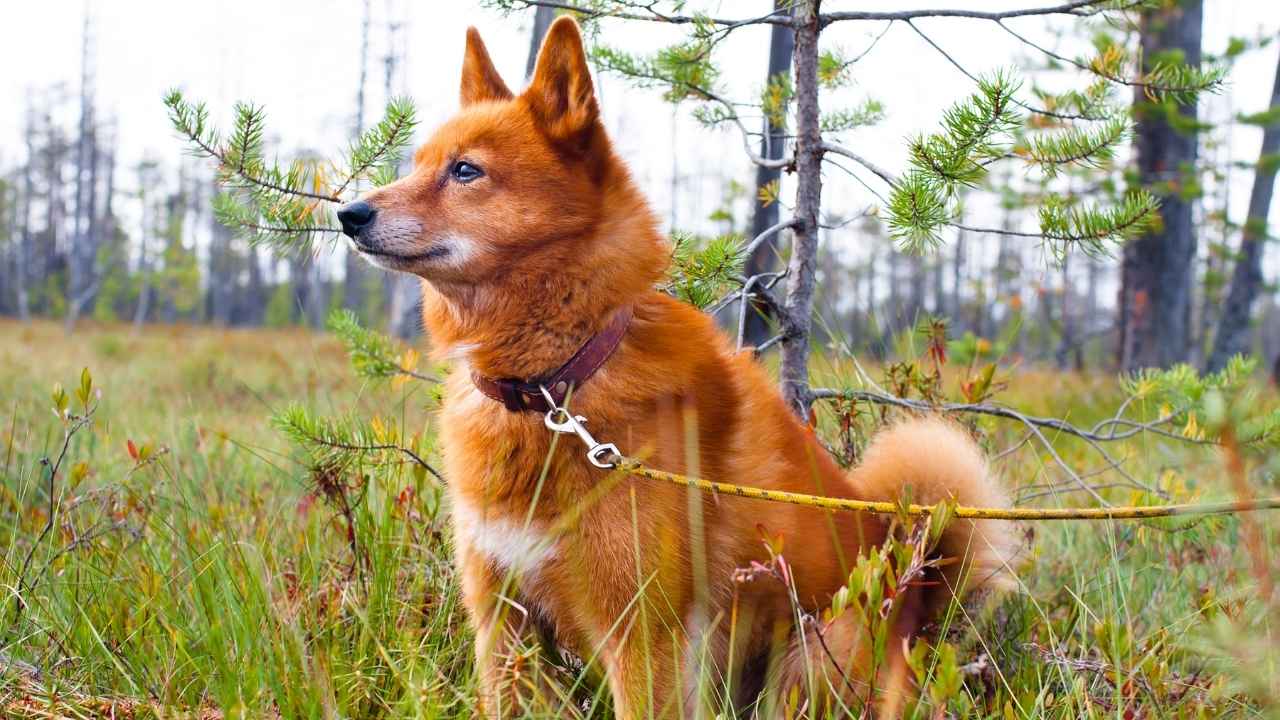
561	95
480	79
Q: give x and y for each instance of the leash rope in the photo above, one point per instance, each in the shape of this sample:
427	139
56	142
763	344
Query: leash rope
1132	512
606	456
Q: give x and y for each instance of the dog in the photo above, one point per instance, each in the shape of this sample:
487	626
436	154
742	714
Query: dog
540	261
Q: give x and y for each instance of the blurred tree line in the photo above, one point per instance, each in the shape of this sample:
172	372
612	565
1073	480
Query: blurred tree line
1177	279
66	250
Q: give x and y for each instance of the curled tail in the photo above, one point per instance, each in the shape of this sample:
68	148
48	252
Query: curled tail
931	460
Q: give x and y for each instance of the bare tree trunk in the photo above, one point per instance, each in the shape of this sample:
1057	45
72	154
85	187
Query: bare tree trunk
878	313
939	296
772	146
919	281
893	303
81	253
222	271
143	307
802	268
404	310
115	261
1246	279
404	294
541	21
8	241
1003	274
354	270
317	294
308	291
22	258
1156	283
85	250
1091	301
254	306
53	251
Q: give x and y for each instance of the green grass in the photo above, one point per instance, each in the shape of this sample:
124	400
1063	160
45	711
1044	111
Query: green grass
220	576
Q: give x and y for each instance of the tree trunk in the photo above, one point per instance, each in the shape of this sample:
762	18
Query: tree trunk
404	316
1068	344
85	251
253	309
51	254
939	305
143	307
1156	280
919	281
802	268
355	272
541	21
222	271
1090	319
772	146
1246	280
80	253
22	258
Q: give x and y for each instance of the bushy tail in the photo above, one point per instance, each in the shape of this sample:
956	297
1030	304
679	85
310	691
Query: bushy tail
931	460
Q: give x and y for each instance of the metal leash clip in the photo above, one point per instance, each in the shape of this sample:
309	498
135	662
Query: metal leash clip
560	420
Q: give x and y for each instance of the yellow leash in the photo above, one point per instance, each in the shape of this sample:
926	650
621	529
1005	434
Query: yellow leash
633	467
606	456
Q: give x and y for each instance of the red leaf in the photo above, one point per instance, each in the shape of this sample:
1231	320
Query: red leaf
405	497
133	450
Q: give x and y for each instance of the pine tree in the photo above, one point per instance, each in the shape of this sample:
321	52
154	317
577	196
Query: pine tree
1247	279
988	129
1155	296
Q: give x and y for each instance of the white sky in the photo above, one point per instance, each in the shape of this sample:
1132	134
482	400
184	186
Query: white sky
300	60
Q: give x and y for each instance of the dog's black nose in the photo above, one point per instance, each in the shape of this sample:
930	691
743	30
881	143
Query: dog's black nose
355	217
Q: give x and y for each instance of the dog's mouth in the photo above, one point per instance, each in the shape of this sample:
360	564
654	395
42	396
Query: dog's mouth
432	253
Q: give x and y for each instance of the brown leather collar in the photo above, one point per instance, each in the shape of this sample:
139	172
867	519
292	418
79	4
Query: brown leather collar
526	396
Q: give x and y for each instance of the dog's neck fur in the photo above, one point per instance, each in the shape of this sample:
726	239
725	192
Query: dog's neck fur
529	321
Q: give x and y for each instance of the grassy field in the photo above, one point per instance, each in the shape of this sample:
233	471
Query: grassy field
187	560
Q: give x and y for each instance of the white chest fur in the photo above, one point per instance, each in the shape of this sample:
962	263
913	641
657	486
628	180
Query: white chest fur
510	543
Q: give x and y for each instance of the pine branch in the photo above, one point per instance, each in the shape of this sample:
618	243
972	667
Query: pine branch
383	144
1089	228
335	442
921	202
1091	147
285	207
703	268
373	355
241	157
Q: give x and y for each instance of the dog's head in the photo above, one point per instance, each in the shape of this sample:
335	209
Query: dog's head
506	178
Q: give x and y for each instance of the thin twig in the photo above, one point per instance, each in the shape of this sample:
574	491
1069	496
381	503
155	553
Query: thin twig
971	76
883	174
374	448
77	423
1079	8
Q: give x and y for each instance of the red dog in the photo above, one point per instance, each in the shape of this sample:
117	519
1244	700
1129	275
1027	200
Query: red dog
539	259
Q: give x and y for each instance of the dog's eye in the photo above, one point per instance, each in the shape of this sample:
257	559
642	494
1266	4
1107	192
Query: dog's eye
465	172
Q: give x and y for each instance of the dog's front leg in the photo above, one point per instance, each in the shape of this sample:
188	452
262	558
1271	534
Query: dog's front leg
499	626
643	673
